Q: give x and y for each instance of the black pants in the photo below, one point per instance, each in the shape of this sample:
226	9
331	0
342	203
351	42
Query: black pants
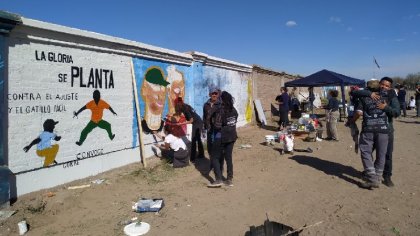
196	142
388	156
219	151
403	106
178	158
209	149
284	118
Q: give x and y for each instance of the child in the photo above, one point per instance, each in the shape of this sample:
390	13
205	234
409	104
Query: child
412	103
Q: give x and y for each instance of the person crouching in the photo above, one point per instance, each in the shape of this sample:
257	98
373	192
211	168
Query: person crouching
173	148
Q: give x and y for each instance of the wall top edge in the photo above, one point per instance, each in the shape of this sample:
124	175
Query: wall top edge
216	61
102	37
163	52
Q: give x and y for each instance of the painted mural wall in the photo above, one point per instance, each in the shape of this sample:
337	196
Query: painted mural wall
71	110
160	83
66	106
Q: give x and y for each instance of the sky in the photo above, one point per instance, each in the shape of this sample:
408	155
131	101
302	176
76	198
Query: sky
298	37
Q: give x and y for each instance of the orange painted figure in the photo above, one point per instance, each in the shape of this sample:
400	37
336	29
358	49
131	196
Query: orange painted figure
97	106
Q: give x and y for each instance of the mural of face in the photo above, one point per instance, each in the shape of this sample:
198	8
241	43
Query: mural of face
154	96
177	87
153	92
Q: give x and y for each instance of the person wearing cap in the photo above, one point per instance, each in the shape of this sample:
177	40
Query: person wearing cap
177	87
418	99
153	92
212	102
392	110
97	107
44	147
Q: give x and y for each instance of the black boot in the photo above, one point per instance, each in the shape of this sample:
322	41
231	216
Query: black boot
388	182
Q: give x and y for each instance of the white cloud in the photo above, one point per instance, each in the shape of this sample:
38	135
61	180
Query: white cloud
291	23
349	29
399	40
335	19
415	32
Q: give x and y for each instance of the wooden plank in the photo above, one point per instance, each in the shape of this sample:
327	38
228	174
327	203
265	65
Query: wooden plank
139	128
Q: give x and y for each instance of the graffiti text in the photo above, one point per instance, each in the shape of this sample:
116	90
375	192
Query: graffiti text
71	164
98	78
53	57
93	153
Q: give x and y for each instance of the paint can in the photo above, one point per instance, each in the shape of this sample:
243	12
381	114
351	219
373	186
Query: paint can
23	227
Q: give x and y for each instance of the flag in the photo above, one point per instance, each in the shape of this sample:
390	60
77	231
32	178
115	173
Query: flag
374	60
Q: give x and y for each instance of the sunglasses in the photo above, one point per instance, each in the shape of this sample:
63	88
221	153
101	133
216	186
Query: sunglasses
214	93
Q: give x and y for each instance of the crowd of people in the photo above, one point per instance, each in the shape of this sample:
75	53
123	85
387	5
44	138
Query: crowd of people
378	104
218	123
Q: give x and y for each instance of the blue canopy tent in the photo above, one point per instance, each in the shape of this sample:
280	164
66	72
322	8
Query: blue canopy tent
326	78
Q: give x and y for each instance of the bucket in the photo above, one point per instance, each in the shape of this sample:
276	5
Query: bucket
269	139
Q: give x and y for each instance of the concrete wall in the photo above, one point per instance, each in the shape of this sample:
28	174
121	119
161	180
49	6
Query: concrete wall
53	72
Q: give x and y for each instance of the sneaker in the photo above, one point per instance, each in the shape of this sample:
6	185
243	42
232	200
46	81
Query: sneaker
388	182
229	183
215	184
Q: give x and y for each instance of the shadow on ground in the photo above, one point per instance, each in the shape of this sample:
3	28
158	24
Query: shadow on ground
330	168
203	166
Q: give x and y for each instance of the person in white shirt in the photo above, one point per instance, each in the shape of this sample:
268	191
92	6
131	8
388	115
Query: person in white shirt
412	104
173	148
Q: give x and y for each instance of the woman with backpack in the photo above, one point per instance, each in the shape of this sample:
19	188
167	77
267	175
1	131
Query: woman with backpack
223	123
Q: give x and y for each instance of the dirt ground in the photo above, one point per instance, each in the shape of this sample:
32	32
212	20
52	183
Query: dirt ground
296	190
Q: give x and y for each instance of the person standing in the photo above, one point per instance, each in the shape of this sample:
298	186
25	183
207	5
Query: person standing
418	99
283	101
332	116
375	128
197	125
401	98
212	102
354	130
224	137
392	111
311	99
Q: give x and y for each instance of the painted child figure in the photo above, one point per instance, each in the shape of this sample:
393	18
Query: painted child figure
44	147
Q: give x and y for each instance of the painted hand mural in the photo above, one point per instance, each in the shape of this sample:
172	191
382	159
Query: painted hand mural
44	147
97	106
153	92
